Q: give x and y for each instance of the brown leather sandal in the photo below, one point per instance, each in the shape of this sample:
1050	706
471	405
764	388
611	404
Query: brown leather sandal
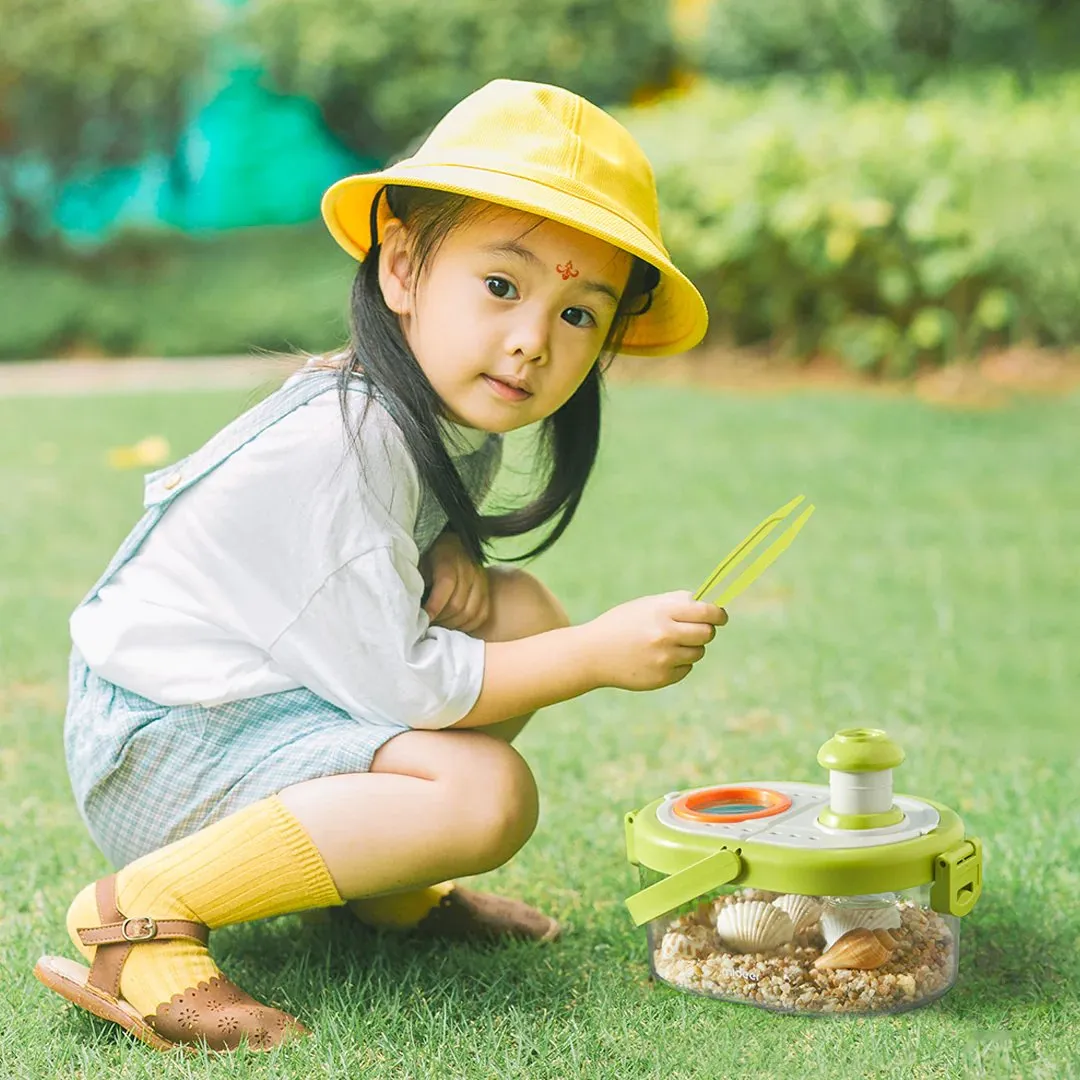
216	1014
465	914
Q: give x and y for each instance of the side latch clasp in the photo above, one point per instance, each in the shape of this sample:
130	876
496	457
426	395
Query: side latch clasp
957	878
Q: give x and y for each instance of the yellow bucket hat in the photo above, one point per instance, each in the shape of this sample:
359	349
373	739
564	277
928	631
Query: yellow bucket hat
549	152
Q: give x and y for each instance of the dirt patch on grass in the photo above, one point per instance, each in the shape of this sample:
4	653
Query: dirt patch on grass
991	381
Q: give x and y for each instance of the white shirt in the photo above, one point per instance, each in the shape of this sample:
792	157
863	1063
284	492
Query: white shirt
290	565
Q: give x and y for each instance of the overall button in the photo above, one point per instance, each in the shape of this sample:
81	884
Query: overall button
172	481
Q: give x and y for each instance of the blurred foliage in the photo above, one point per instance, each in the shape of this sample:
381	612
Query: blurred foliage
891	231
85	86
167	294
915	223
906	41
383	74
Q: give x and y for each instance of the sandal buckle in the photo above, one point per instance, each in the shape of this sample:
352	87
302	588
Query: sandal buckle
147	929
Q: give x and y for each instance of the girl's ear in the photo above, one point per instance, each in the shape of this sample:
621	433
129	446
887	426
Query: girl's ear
395	270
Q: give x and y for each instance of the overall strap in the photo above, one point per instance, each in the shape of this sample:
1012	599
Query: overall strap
164	485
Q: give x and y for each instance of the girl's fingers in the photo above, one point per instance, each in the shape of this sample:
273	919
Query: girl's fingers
460	601
683	654
475	621
465	605
706	612
477	606
459	598
441	591
695	633
687	609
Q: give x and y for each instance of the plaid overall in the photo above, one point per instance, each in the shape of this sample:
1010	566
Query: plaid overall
146	774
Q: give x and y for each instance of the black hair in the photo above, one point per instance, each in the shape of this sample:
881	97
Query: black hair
379	353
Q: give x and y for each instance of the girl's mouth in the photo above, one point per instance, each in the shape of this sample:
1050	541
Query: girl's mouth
506	391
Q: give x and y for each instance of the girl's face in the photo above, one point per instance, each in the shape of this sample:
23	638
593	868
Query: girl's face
508	317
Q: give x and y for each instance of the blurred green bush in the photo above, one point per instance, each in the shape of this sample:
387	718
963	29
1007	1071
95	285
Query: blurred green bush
384	73
891	231
903	41
85	86
167	294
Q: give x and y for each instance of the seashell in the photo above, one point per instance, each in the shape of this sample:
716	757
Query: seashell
886	939
689	942
858	948
754	926
675	944
804	911
837	920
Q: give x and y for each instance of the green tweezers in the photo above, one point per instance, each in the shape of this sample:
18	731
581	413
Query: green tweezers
763	561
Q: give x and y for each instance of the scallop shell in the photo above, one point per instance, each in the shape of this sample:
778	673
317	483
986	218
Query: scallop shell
859	948
836	921
754	926
691	941
804	911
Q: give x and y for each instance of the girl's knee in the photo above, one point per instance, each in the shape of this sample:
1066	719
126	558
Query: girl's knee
521	605
497	801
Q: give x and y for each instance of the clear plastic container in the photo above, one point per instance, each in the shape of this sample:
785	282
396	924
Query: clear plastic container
790	953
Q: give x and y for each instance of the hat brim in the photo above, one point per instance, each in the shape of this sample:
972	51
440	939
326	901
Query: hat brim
678	317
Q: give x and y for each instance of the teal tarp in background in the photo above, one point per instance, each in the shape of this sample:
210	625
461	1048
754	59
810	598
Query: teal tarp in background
248	157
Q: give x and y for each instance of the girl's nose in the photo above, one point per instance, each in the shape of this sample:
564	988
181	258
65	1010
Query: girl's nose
529	337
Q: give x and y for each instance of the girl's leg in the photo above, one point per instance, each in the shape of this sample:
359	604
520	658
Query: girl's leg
520	607
435	804
144	929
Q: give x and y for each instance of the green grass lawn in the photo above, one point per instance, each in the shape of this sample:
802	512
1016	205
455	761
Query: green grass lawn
934	594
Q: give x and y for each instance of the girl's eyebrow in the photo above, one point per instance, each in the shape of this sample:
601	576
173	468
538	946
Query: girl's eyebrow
513	248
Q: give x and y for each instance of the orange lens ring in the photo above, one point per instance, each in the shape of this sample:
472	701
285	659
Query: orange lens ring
690	806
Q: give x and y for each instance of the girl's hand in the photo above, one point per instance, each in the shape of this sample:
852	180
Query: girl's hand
459	597
652	641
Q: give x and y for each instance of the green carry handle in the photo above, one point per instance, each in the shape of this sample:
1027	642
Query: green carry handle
683	886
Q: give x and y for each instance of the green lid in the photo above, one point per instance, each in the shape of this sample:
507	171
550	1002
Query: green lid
860	750
695	863
696	858
827	870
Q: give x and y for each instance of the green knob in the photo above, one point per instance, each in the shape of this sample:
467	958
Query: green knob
860	750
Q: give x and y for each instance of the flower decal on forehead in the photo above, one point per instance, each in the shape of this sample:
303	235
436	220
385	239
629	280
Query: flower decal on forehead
567	270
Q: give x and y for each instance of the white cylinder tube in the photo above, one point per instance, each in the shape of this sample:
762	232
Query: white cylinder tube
860	792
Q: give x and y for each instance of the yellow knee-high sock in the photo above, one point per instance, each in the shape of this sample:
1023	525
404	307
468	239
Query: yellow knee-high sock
255	863
402	910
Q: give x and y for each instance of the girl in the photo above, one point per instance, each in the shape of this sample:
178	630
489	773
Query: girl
296	683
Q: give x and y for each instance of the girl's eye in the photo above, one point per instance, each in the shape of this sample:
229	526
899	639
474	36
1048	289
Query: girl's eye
501	288
579	317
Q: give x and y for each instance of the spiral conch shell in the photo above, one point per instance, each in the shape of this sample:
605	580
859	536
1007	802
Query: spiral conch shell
886	939
837	921
754	926
859	948
804	911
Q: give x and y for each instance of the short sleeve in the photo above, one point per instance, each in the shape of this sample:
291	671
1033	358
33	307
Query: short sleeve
364	643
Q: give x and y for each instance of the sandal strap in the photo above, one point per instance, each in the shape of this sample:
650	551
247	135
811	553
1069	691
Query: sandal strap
118	934
143	928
